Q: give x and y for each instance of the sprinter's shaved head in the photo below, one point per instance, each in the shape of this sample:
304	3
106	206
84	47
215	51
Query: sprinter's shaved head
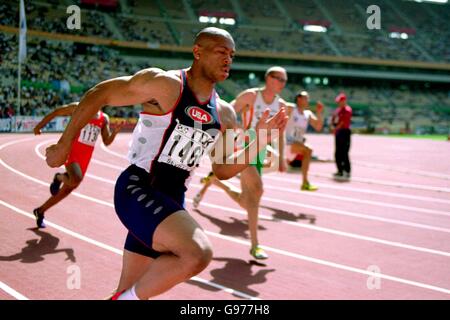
211	33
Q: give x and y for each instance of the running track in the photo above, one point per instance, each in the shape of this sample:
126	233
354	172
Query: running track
384	235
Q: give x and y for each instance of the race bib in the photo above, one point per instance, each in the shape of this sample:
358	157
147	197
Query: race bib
185	147
89	134
296	135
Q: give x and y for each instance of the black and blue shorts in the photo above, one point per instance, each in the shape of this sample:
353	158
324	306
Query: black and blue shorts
141	208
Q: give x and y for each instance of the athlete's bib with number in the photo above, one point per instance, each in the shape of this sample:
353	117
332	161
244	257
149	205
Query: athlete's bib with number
298	134
89	134
185	147
170	146
297	126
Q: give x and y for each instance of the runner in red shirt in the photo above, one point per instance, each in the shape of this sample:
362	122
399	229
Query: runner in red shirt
340	122
79	156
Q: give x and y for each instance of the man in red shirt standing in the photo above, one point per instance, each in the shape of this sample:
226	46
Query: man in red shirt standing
340	122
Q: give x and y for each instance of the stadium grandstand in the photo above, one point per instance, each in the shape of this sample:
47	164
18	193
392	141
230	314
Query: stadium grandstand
396	77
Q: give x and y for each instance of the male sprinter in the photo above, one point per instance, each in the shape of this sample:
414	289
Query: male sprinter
79	157
182	119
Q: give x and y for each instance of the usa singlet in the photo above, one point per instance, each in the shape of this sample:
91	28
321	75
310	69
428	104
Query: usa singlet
170	146
164	151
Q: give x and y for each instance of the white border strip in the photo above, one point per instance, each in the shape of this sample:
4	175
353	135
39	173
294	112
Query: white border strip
12	292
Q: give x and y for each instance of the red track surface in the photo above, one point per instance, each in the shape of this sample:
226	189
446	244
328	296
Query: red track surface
392	218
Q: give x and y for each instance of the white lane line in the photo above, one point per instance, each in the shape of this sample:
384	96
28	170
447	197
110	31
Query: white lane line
332	231
328	230
320	195
402	170
12	292
330	264
225	289
359	190
40	155
354	214
48	184
109	181
341	212
63	229
118	251
14	142
327	210
97	243
358	215
363	180
335	265
246	243
39	145
347	188
104	148
390	184
382	193
369	202
341	187
112	166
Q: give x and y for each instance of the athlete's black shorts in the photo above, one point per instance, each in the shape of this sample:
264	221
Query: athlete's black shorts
141	208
